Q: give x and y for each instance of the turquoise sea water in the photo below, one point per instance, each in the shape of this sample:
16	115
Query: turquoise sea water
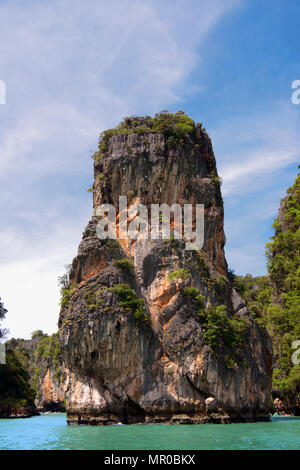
50	431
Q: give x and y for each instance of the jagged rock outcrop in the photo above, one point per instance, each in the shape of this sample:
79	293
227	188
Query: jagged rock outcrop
150	331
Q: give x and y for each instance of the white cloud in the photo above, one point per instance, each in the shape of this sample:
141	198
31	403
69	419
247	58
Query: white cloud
260	146
30	265
71	70
257	156
30	293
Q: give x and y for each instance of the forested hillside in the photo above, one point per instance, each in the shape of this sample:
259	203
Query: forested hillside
274	300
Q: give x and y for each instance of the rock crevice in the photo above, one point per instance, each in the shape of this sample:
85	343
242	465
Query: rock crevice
141	344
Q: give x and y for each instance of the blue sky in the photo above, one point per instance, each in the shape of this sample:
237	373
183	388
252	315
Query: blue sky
72	69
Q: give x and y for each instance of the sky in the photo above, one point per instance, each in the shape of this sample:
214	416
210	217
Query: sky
72	69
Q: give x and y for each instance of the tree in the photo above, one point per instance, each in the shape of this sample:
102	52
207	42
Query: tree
37	334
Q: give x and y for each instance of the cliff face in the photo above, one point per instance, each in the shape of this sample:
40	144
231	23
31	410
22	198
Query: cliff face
150	331
41	359
50	394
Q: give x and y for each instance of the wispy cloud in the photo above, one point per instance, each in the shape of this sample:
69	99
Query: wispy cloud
260	146
257	160
73	69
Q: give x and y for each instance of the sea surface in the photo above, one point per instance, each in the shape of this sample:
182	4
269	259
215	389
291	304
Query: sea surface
50	431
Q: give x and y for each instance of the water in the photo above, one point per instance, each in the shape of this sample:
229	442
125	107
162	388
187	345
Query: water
50	431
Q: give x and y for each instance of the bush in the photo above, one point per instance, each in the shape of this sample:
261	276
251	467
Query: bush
124	263
66	289
66	295
131	301
222	282
216	180
175	127
195	295
181	273
36	334
219	329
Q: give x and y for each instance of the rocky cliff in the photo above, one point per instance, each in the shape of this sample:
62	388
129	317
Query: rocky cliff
151	331
41	360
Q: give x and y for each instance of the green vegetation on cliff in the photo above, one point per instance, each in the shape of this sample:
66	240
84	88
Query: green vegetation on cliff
130	301
274	300
37	356
16	394
283	254
257	293
175	127
124	263
15	391
219	328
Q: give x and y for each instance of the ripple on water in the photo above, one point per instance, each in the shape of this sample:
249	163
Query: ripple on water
50	431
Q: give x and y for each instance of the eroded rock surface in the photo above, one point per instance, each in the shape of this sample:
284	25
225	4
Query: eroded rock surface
178	359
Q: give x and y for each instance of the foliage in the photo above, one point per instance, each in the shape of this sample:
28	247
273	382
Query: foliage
257	293
113	248
219	329
66	289
222	282
283	316
37	356
195	295
14	388
274	300
175	127
37	334
124	263
291	384
216	180
131	301
181	273
66	295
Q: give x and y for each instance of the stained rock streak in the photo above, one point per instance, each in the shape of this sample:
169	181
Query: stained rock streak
163	336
